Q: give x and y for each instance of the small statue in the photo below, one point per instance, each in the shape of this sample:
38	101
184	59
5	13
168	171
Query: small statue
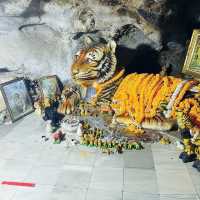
100	143
188	155
196	163
196	141
91	138
39	107
79	132
96	142
119	148
165	140
110	144
107	151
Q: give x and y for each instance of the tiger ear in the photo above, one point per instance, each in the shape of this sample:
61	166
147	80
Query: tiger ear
112	46
88	40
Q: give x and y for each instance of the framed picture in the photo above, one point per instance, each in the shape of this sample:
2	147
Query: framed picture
2	102
192	61
49	86
16	98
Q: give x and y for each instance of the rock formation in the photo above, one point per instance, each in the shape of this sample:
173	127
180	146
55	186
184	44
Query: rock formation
40	37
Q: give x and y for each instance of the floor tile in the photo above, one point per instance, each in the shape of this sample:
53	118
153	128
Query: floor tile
74	176
194	173
43	175
36	193
83	173
9	150
140	196
95	194
15	170
28	152
52	157
113	160
107	178
168	159
80	157
197	188
7	192
140	181
179	197
139	159
2	163
161	147
174	182
68	194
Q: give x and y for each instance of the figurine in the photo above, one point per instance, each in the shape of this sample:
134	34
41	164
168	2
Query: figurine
165	140
107	151
119	148
110	144
188	155
96	142
136	97
39	107
100	143
196	163
196	141
79	131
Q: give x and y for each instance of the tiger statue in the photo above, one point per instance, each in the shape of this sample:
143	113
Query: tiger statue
136	99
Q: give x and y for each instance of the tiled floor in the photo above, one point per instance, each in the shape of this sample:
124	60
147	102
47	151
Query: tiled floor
82	173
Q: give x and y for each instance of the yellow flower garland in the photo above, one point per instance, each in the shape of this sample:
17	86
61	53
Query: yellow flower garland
140	96
186	87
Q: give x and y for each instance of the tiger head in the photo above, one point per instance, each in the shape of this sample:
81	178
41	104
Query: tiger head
94	64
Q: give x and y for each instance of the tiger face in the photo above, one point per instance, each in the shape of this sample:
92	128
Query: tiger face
94	64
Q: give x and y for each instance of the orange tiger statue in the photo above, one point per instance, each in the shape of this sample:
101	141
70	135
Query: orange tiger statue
138	100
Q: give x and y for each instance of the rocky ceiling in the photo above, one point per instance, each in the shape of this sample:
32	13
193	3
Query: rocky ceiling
39	37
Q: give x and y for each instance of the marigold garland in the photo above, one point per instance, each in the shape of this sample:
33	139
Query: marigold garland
140	96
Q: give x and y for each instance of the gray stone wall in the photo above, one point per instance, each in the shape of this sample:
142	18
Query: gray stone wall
40	37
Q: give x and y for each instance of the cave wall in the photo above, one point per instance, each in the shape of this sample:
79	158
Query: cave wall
40	37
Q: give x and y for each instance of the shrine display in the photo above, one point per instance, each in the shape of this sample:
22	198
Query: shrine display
138	100
130	105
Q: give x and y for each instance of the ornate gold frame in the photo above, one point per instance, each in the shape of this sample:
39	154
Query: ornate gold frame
187	69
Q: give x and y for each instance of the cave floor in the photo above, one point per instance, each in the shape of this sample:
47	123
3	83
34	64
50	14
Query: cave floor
81	173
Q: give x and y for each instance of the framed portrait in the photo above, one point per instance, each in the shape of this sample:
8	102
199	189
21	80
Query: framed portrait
50	86
192	61
2	102
16	98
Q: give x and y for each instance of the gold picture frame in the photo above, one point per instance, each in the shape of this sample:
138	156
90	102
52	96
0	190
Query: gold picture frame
192	61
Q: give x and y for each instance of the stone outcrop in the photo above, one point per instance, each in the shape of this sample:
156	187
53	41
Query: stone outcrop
40	37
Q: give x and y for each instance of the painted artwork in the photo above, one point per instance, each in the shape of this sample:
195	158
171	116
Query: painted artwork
17	98
49	87
192	61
